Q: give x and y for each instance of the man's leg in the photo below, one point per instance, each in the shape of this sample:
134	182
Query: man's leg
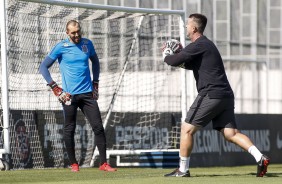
70	112
234	136
91	110
199	115
186	147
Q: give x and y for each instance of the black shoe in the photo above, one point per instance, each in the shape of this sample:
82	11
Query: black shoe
177	173
262	166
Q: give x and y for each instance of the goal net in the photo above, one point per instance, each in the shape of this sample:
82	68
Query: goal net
139	95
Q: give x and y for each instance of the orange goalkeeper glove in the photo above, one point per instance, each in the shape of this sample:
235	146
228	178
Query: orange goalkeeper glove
62	96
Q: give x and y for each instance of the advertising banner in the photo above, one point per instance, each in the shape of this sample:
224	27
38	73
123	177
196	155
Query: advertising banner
37	139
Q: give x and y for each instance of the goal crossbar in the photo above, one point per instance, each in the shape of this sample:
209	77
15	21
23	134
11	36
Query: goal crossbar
109	7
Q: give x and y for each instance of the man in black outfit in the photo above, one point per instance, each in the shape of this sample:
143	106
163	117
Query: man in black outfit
215	100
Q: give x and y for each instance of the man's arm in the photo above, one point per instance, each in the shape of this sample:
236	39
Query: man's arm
95	67
43	69
175	60
186	57
96	73
63	97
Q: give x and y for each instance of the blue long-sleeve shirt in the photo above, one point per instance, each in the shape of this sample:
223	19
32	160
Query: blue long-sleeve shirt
74	65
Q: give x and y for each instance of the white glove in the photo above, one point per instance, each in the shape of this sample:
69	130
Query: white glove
171	47
65	98
167	52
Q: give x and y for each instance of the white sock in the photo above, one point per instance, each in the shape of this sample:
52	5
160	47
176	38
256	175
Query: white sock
255	152
184	164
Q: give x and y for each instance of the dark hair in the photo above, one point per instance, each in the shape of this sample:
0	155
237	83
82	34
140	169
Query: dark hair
201	21
72	22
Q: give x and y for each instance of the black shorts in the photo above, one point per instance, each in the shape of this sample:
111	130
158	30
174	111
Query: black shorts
206	109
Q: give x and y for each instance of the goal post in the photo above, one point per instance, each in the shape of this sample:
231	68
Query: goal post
5	149
142	100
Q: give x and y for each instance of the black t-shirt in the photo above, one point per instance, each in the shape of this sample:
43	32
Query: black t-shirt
204	59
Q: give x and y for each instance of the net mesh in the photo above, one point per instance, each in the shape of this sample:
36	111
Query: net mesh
139	95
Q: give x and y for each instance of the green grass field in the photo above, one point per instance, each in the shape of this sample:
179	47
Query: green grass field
210	175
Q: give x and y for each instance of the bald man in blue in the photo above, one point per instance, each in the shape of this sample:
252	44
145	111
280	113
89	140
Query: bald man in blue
74	65
78	89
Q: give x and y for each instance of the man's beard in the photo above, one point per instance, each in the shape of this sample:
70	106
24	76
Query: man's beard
76	39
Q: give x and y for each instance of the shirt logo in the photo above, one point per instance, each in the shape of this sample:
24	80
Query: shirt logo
66	45
84	48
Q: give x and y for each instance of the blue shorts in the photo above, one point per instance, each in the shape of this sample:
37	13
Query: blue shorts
218	111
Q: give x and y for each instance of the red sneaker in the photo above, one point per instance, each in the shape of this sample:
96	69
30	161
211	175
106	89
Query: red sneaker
107	167
74	167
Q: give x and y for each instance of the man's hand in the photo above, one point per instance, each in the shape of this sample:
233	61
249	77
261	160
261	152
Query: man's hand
167	52
62	96
95	91
65	98
171	47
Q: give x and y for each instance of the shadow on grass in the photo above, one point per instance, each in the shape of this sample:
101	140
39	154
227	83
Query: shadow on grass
245	174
